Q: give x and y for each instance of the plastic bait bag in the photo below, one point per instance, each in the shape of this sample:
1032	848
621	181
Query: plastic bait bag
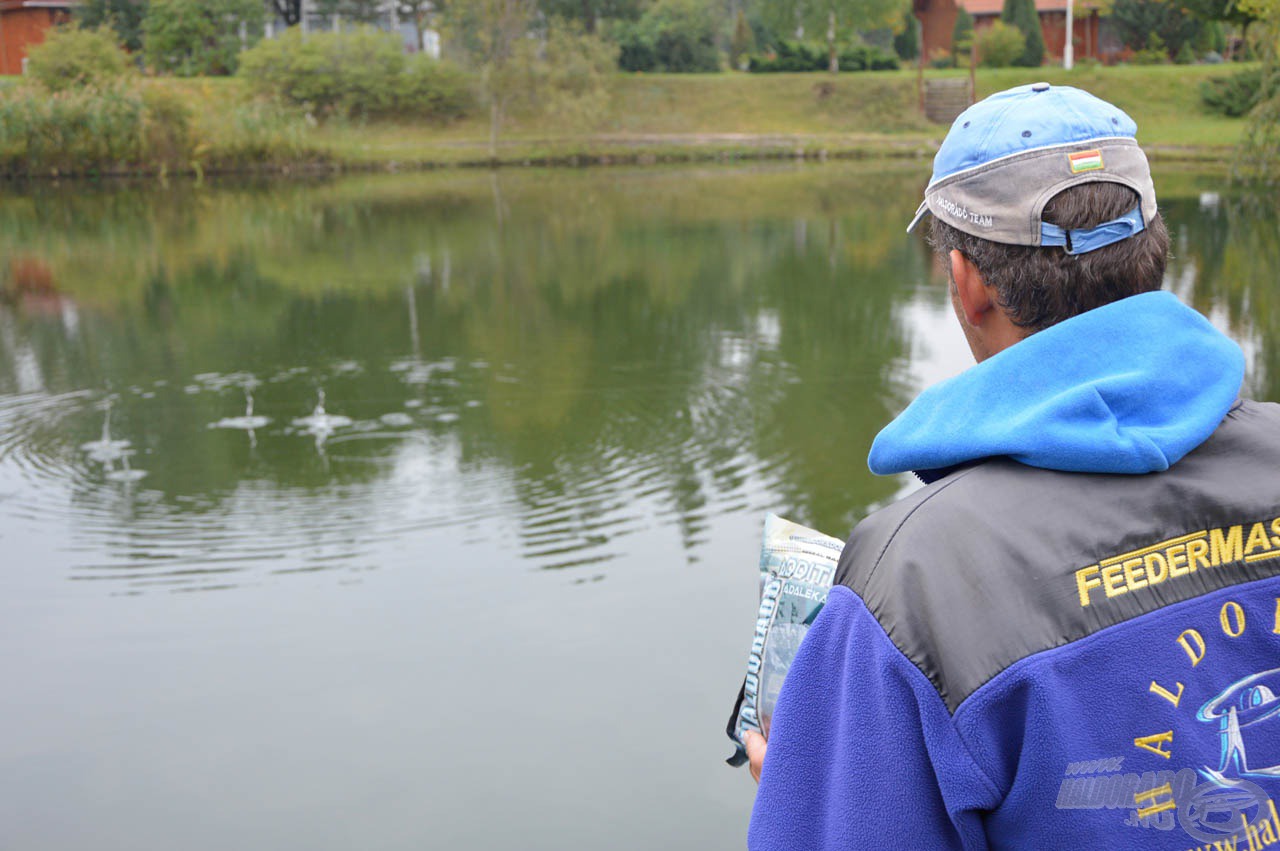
797	566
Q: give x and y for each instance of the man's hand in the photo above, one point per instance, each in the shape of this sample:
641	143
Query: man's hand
755	744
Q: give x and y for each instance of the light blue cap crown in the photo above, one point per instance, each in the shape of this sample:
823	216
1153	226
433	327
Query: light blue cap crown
1025	118
1006	156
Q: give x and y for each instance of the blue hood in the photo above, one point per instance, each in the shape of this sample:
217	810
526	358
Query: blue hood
1130	387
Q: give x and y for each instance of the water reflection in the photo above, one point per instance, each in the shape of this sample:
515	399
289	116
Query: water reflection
560	361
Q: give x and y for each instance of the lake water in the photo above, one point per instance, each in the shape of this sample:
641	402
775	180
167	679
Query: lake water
477	568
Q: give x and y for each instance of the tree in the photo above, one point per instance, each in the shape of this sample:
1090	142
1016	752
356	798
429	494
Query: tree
289	11
962	34
418	12
1135	21
1259	156
742	42
495	35
907	43
123	16
195	37
673	35
839	18
1023	15
359	11
1227	11
590	13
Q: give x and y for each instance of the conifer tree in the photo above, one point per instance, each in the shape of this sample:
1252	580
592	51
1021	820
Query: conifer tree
962	34
1022	14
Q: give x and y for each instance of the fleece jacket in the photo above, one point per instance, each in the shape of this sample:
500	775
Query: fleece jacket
1070	638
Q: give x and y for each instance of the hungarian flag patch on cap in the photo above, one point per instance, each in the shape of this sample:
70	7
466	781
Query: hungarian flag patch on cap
1085	161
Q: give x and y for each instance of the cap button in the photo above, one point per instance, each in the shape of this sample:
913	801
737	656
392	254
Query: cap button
1039	87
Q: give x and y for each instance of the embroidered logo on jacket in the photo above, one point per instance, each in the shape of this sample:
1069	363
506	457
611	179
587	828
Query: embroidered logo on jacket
1177	557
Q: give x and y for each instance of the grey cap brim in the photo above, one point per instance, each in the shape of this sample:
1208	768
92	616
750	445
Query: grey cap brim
1003	200
920	214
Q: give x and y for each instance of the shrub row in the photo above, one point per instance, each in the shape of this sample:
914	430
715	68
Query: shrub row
672	35
1239	93
137	128
360	73
803	56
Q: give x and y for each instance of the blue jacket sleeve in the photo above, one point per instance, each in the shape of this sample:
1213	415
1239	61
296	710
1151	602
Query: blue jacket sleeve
862	750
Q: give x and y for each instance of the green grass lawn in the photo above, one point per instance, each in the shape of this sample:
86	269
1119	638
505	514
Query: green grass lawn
682	115
654	117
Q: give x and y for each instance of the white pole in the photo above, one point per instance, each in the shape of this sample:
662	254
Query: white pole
1068	47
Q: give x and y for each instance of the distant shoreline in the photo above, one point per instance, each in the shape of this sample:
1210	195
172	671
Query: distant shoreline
652	119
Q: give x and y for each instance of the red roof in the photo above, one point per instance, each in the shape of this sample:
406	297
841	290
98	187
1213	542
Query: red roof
978	8
15	5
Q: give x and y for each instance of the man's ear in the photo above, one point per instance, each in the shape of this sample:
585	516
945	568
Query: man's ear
971	290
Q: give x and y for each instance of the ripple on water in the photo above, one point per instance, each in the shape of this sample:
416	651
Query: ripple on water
648	464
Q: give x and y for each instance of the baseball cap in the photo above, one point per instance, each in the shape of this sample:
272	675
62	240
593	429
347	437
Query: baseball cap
1008	154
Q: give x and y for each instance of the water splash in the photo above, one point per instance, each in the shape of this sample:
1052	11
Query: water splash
126	473
105	450
249	421
320	423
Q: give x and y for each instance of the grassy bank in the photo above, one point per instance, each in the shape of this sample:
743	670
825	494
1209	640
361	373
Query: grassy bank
668	117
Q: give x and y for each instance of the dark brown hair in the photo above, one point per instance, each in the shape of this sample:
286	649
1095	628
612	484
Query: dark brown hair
1039	287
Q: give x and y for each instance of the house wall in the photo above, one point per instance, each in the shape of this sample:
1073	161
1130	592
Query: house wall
1052	26
21	29
937	22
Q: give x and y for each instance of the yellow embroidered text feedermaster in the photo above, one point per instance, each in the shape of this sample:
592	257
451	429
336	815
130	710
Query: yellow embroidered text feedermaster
1181	556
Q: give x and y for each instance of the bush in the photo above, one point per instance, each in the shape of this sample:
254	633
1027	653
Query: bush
192	38
672	35
75	58
1000	45
355	73
801	56
166	125
255	134
1155	53
69	131
430	88
572	79
1237	94
790	56
1186	56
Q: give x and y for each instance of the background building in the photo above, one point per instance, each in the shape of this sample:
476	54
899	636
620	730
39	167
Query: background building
938	19
23	24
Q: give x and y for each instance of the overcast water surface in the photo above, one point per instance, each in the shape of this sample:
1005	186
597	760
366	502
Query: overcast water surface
422	511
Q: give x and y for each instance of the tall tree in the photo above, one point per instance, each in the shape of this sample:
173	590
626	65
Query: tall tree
742	42
1228	11
417	12
359	11
1023	15
290	11
962	34
494	33
1135	21
197	37
123	16
838	18
1259	155
590	13
907	42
